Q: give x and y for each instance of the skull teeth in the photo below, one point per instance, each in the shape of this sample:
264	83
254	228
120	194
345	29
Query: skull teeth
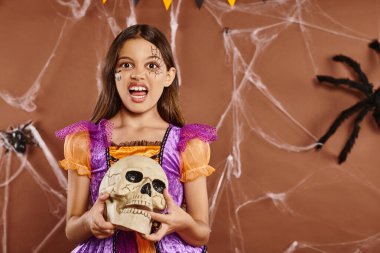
140	202
136	211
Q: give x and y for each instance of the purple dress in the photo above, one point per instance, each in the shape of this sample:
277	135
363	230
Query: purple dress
174	142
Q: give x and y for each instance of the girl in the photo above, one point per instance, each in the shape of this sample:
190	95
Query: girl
138	113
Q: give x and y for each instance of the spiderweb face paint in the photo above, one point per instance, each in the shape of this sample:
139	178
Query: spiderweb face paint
156	66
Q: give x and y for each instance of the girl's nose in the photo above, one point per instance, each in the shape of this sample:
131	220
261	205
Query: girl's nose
137	73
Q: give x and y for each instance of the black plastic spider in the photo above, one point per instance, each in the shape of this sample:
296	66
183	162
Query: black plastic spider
370	102
17	138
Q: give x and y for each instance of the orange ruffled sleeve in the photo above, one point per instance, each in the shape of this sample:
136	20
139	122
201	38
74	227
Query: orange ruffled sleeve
194	160
77	153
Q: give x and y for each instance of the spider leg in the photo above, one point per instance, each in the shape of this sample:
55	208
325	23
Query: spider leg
375	45
26	125
338	121
344	81
355	132
30	138
376	116
355	66
5	142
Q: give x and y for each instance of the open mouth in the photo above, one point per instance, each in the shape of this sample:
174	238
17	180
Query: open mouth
137	91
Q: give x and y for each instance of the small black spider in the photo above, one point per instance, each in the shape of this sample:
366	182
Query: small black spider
17	138
371	102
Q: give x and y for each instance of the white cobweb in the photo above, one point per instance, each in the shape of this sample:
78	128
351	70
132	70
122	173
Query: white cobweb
298	13
56	199
305	15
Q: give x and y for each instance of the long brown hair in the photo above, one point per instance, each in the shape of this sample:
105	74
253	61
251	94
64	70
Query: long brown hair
109	102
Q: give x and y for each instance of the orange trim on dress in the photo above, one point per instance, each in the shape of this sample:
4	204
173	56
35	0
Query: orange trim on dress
120	152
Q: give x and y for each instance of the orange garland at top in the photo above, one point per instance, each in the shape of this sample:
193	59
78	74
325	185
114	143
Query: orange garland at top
168	3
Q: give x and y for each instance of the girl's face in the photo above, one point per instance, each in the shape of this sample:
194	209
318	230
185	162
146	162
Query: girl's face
141	75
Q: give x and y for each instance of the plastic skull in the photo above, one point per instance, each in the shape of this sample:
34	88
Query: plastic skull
135	184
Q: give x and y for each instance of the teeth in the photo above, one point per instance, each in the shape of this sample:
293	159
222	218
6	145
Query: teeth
137	88
138	97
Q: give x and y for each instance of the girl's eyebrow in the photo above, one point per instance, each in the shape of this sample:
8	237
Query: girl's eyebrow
154	57
148	58
124	57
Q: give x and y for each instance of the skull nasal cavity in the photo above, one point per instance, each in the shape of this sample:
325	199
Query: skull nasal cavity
147	189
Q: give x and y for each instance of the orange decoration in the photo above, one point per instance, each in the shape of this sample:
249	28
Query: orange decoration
232	2
167	4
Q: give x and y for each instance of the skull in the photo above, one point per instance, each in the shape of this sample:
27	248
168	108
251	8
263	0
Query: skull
135	184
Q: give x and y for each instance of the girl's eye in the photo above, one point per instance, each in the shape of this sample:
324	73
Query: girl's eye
153	65
126	65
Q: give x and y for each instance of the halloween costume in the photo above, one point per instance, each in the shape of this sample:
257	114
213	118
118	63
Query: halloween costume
183	154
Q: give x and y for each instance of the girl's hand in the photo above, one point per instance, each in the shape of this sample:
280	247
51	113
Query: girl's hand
175	220
95	221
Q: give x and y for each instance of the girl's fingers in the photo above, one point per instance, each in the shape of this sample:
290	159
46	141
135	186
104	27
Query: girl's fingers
105	225
163	218
161	232
102	198
100	202
168	198
102	233
100	224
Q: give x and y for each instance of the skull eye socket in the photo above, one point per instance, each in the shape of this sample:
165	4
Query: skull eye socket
134	176
158	185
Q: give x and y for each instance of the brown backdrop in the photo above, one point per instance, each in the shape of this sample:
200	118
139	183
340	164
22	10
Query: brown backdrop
249	70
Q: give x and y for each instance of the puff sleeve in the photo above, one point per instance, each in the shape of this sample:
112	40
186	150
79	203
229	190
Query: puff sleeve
195	159
77	153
